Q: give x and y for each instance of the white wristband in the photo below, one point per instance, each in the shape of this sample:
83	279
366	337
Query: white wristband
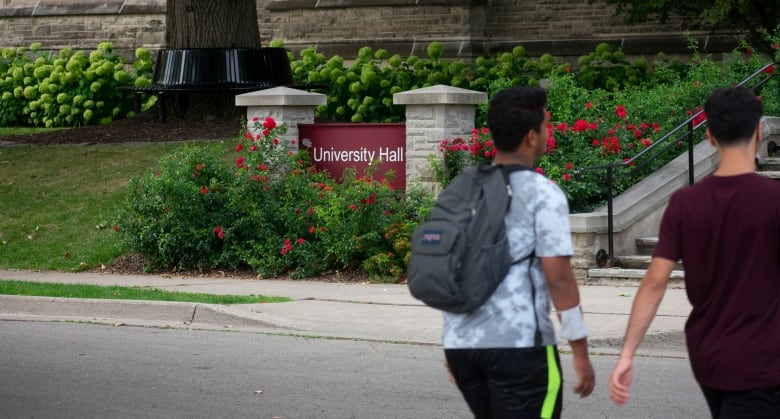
572	324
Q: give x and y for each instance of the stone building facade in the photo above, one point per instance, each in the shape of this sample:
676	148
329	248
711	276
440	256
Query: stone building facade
467	28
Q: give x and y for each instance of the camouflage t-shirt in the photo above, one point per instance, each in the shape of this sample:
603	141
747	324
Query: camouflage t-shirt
538	221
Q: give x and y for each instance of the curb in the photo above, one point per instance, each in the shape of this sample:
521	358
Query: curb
124	311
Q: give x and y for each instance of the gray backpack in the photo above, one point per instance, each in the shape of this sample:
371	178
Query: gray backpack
461	253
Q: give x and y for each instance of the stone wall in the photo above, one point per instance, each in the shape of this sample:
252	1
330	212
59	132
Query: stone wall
394	25
473	27
467	28
83	24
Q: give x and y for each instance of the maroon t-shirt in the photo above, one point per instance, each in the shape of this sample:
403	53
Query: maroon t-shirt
726	230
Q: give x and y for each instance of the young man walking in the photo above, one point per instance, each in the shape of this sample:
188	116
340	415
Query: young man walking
503	356
726	230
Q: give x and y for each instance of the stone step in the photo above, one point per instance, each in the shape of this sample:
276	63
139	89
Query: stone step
628	277
630	269
645	245
637	262
632	261
769	164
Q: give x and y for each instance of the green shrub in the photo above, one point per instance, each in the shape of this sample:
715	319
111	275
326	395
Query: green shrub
272	211
170	216
595	127
67	88
607	68
363	91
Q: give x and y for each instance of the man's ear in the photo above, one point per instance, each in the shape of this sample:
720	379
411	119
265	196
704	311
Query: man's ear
531	138
710	138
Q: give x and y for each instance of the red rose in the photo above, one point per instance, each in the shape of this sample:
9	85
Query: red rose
269	123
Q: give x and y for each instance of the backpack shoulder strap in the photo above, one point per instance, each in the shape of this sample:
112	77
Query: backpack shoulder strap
509	168
506	169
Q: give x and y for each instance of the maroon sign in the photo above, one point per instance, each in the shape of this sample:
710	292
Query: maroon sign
337	146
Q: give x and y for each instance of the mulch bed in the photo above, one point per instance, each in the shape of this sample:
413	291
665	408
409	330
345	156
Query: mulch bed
145	127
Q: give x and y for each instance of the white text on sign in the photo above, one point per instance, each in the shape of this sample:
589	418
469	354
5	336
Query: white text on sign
386	154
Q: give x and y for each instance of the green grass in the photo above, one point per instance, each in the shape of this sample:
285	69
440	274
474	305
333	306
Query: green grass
58	204
45	289
24	130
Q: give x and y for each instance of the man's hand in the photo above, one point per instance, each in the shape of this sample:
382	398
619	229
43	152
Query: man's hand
586	377
449	372
620	381
648	298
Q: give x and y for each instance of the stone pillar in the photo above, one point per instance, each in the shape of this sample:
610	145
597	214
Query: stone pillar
433	114
285	105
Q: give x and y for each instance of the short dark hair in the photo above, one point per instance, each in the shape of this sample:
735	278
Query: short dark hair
513	112
733	115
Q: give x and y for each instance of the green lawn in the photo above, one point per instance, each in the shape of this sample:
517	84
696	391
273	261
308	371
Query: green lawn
44	289
58	204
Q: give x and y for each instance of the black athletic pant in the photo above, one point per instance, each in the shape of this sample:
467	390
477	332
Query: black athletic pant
509	383
758	403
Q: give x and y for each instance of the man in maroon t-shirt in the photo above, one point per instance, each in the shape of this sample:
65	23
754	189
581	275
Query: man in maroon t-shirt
726	230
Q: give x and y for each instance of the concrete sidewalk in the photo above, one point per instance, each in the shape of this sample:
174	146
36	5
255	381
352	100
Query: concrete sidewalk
380	312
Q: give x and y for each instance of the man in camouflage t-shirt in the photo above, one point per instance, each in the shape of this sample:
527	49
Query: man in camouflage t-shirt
503	356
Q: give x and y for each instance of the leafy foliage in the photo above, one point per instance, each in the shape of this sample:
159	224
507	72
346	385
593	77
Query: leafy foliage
363	92
68	89
596	127
152	220
755	17
273	212
608	68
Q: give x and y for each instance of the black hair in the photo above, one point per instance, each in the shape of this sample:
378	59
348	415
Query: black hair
733	115
513	112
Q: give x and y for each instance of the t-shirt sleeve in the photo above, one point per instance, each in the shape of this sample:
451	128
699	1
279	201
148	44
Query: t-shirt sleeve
551	222
668	246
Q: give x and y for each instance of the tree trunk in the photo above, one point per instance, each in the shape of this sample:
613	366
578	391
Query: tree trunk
209	24
212	24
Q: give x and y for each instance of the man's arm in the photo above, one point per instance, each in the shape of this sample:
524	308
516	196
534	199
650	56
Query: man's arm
565	296
561	282
648	298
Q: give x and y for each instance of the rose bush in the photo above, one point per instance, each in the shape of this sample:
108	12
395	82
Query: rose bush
593	127
570	146
269	209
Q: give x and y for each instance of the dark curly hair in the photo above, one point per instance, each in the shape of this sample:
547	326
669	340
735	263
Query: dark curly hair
733	115
513	112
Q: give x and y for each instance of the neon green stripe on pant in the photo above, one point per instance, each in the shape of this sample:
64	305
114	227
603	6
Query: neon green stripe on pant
553	384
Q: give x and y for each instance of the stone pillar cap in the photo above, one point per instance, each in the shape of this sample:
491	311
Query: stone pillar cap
439	94
281	96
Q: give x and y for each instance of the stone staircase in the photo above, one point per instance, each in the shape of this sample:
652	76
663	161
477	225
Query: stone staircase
628	270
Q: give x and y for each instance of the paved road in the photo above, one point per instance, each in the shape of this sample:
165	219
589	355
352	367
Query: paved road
335	351
78	370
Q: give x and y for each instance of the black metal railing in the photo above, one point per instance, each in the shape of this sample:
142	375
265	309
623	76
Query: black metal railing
684	131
